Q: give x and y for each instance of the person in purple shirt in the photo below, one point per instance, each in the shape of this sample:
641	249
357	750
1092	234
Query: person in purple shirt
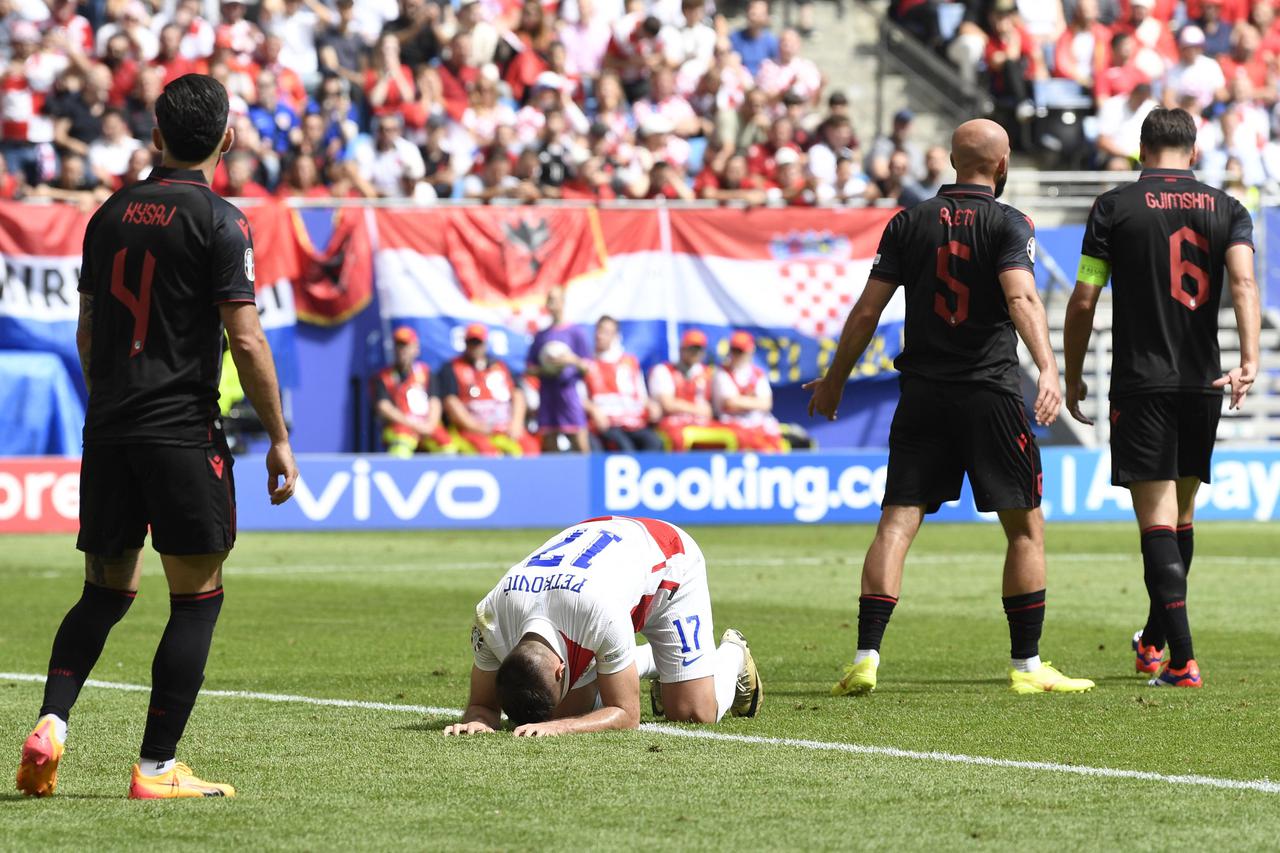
560	369
755	42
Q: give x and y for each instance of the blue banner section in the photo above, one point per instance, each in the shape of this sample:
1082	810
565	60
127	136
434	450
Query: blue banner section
375	492
1269	279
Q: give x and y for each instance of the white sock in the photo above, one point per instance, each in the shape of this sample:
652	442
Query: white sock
150	767
862	654
1030	664
645	667
59	726
729	660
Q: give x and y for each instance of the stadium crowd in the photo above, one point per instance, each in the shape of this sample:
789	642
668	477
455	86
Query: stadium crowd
1218	59
592	393
482	99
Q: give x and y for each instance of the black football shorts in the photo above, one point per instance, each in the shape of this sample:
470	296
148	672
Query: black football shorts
1163	436
186	495
942	431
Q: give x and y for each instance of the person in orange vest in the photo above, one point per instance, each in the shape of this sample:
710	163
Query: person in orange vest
483	402
408	404
683	391
741	396
617	404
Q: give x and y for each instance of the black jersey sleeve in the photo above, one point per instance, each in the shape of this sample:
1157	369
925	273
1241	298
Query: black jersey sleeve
85	285
887	265
232	262
1017	246
1241	233
1095	248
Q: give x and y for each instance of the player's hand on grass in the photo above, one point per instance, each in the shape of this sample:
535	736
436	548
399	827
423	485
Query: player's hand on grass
826	397
282	473
1241	380
548	729
1048	398
475	727
1076	393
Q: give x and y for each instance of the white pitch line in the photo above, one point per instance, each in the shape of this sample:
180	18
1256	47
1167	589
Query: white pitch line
1264	786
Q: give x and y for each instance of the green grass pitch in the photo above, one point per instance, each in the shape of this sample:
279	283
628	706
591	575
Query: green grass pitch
385	618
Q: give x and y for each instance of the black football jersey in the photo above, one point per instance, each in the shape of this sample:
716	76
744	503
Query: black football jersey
1163	239
159	257
948	253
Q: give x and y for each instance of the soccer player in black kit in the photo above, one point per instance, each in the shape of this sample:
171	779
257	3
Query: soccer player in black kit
1164	242
964	262
167	267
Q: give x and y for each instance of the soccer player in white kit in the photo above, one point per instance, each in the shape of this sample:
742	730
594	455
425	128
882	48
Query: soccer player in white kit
555	641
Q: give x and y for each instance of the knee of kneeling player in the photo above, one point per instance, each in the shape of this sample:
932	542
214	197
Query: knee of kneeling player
692	710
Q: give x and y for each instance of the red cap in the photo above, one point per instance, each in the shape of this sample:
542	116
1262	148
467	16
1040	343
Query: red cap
405	335
476	331
742	340
694	338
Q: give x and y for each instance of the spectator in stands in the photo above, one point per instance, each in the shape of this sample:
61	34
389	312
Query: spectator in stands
484	36
755	42
27	82
617	402
70	27
920	18
277	124
437	159
242	36
1082	52
1120	120
109	154
558	357
1123	73
659	143
663	101
301	179
1244	59
429	104
74	185
753	120
834	140
742	397
790	73
1045	20
682	390
388	84
77	115
1014	60
937	164
240	176
487	110
1156	48
340	47
390	158
407	402
762	158
1240	134
791	186
667	181
895	180
140	163
733	183
339	114
585	40
415	31
852	184
297	23
635	51
134	23
457	76
1194	73
1263	16
899	139
288	82
195	32
10	187
691	43
494	180
1217	32
140	106
532	43
483	401
170	59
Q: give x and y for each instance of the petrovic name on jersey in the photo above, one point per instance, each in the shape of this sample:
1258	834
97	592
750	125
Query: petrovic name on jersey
544	583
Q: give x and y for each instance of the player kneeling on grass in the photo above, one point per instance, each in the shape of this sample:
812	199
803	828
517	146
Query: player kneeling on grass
964	261
555	646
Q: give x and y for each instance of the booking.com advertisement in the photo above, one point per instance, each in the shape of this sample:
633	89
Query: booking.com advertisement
376	492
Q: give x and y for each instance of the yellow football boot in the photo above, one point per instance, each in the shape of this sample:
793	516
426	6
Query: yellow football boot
38	770
178	782
1046	679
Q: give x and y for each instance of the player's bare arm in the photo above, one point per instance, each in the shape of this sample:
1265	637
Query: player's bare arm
1076	331
1244	298
483	714
620	709
859	328
84	334
1028	316
252	357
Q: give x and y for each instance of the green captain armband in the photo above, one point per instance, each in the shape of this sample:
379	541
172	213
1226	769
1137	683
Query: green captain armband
1093	271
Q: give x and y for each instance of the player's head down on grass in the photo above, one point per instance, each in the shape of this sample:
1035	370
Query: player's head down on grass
529	682
191	119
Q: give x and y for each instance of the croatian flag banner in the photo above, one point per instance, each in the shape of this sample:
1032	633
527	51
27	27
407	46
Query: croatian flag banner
40	250
789	276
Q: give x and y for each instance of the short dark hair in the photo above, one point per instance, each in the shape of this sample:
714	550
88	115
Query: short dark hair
1165	129
606	318
192	116
525	692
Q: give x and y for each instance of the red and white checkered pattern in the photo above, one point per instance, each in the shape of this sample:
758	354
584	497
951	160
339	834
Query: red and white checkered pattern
819	294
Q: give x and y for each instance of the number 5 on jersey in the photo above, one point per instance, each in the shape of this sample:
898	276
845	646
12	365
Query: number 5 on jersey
140	305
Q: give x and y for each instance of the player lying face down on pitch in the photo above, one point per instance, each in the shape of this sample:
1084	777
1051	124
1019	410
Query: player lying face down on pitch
555	641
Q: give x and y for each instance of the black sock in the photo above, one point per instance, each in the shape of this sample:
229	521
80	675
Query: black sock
78	644
1153	633
873	617
1026	620
1166	581
178	670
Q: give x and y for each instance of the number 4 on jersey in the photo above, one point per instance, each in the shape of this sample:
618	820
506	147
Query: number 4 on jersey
140	305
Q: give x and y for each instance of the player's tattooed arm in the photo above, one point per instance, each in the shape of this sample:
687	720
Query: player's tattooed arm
84	334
